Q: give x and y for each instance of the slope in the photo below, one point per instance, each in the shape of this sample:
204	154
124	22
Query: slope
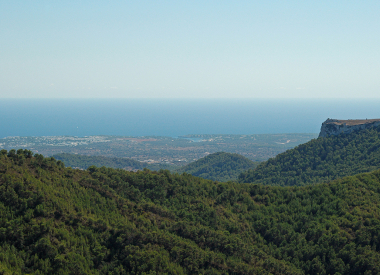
320	160
219	166
56	220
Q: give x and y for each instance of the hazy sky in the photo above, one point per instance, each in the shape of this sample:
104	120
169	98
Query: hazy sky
197	49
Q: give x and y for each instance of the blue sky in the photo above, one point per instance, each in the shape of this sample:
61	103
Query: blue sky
189	49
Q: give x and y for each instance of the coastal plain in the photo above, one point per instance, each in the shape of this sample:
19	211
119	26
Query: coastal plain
176	151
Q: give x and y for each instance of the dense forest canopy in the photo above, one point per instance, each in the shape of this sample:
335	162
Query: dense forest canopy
83	162
320	160
219	166
57	220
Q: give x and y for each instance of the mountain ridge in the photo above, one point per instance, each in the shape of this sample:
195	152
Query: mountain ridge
321	160
337	126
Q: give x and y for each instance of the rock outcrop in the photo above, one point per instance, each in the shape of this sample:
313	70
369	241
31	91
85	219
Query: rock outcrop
337	126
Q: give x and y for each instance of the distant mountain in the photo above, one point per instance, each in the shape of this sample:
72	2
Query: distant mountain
83	162
321	160
219	166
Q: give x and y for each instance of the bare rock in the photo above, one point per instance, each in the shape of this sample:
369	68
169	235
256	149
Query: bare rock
338	126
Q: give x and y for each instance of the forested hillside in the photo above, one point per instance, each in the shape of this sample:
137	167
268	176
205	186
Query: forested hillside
320	160
219	166
83	162
56	220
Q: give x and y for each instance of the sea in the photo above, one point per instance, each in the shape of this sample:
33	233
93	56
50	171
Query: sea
175	117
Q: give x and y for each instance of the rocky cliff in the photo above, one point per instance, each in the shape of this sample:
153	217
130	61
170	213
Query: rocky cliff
337	126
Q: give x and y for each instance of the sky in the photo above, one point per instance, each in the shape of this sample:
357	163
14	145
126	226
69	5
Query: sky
189	49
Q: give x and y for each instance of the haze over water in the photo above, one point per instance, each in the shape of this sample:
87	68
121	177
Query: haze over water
175	117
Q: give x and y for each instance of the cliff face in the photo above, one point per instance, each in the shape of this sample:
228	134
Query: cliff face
336	126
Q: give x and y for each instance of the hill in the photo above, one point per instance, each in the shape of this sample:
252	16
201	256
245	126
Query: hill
219	166
321	160
83	162
56	220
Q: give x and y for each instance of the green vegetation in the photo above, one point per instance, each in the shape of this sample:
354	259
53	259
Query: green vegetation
219	166
56	220
83	162
320	160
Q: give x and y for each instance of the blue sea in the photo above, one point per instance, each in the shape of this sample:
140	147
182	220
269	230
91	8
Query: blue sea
175	117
